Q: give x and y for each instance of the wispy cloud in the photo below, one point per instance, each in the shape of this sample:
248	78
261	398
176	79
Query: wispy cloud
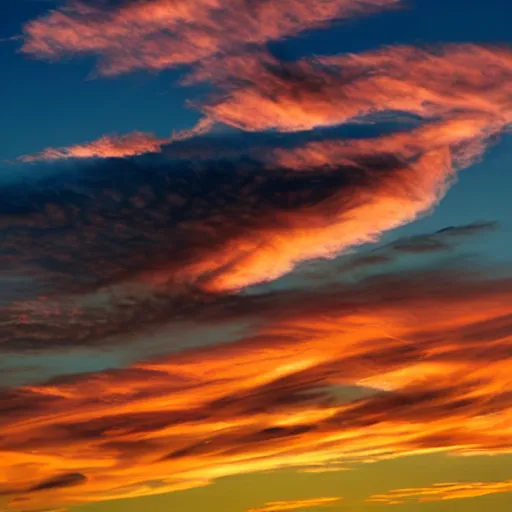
255	220
324	469
433	349
159	34
108	146
463	107
440	492
124	244
278	506
118	146
52	323
437	82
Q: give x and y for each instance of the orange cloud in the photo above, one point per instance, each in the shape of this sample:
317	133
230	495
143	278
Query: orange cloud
327	228
434	352
463	108
108	146
356	190
324	469
440	492
158	34
399	176
114	146
413	348
278	506
326	91
426	161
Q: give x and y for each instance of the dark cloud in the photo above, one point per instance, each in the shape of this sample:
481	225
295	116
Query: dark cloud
468	229
115	219
181	232
49	325
66	480
444	239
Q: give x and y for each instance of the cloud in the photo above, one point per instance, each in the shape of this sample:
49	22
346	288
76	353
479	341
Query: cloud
49	484
159	34
259	92
445	240
441	240
108	146
66	480
430	354
278	506
220	225
440	492
54	323
461	108
324	469
118	146
336	375
464	138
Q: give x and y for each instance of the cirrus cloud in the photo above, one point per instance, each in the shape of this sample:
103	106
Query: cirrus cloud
278	506
440	492
411	346
158	34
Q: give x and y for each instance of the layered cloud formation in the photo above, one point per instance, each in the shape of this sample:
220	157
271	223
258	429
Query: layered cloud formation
447	86
272	217
232	225
53	323
136	232
277	399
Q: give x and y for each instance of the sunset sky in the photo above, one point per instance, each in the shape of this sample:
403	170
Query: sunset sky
255	255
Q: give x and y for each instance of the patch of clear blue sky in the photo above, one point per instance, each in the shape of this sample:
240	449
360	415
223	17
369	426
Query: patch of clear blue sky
420	22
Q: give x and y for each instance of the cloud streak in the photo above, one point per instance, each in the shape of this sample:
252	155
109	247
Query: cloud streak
278	506
159	34
264	93
441	492
413	346
444	86
118	146
108	146
122	242
51	324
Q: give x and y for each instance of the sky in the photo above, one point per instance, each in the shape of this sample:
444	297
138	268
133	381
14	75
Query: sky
255	255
